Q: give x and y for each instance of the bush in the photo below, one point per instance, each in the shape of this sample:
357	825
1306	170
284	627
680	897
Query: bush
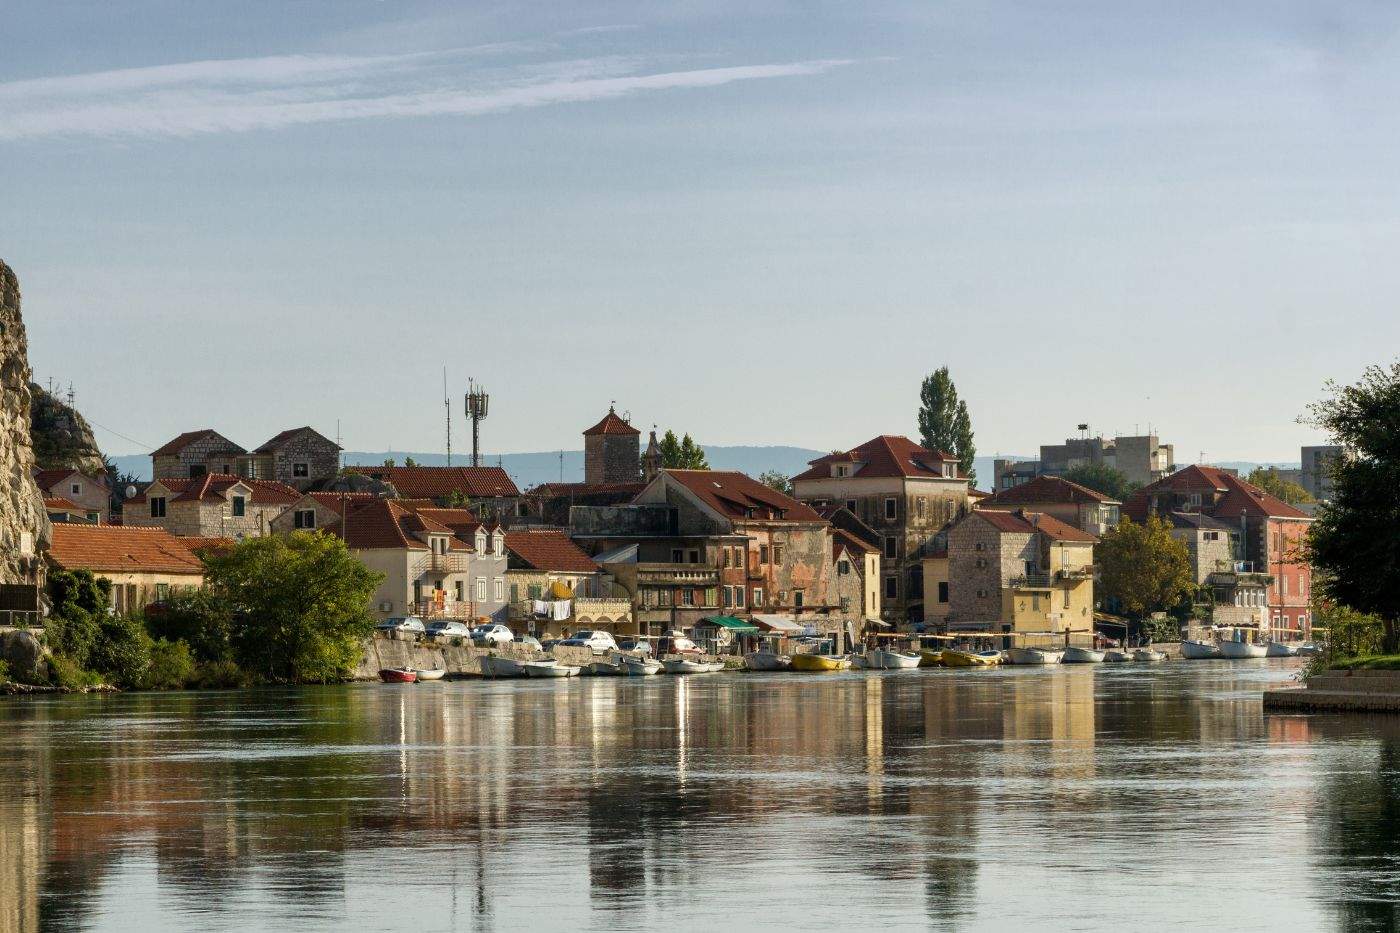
122	652
4	672
219	675
66	673
171	666
200	619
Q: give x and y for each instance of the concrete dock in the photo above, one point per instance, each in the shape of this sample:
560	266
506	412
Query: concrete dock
1354	691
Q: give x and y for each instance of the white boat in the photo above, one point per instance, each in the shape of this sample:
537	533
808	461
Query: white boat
1117	655
887	659
1150	655
1034	655
1077	655
716	666
1199	650
1308	649
1275	649
1241	649
550	667
685	666
767	660
641	667
435	673
605	668
860	662
495	665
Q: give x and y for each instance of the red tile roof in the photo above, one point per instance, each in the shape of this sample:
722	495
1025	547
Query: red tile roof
843	539
337	501
611	424
204	546
441	482
1227	496
735	494
47	479
1023	522
550	551
271	445
113	548
562	490
65	505
213	486
386	523
886	455
1048	489
189	437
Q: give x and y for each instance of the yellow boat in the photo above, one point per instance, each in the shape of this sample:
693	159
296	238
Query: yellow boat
929	658
952	657
819	662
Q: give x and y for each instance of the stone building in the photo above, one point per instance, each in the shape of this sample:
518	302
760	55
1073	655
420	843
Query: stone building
299	457
1084	508
88	493
195	453
488	491
315	510
1211	543
856	577
144	565
24	526
611	452
213	505
907	494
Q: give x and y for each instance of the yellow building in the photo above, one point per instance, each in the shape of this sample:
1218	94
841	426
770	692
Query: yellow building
144	565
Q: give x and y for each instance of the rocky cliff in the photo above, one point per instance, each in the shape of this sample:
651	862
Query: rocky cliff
61	437
24	528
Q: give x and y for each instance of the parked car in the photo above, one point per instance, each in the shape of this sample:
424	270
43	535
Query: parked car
402	624
640	646
675	643
529	641
449	627
598	641
493	634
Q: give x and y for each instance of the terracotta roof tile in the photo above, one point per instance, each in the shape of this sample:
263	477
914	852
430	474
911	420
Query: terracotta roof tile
182	441
1024	522
213	486
611	424
113	548
441	482
735	494
202	546
64	505
46	479
1046	489
1230	496
550	551
843	539
883	456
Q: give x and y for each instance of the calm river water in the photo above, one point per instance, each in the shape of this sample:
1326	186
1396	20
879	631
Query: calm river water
1087	798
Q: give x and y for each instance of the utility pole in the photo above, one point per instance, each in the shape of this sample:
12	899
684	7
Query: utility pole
447	404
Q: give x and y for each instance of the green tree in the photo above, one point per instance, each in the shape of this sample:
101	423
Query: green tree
122	652
775	480
1267	479
456	499
79	602
1353	540
683	454
1103	478
201	619
300	605
409	462
1144	567
390	463
944	423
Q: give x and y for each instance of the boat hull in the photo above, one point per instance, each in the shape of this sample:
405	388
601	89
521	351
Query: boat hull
1199	651
641	667
952	657
1076	655
394	675
929	658
550	669
1117	656
1242	649
605	669
1148	655
1278	649
883	659
684	666
818	663
1034	656
497	666
764	661
433	674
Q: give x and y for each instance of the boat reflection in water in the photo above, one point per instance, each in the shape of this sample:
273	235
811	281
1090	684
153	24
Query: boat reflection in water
945	797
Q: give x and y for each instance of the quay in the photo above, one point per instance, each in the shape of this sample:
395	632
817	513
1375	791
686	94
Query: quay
1349	691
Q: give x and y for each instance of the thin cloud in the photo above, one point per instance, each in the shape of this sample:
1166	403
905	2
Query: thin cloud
241	95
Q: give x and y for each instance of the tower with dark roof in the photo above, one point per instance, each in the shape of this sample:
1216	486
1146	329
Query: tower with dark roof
651	460
611	451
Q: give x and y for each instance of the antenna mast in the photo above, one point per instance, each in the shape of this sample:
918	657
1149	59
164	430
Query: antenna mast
478	401
447	404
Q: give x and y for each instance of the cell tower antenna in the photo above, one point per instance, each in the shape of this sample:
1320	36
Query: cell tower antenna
478	403
447	404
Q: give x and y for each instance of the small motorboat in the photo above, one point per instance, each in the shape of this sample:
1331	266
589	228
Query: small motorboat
640	667
1034	655
1149	655
550	667
1199	650
685	666
1242	649
1074	654
887	659
767	660
1117	656
606	667
495	665
1280	649
435	673
1308	649
398	675
956	657
820	662
931	657
716	666
860	662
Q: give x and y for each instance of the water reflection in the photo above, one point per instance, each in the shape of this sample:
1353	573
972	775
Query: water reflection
959	799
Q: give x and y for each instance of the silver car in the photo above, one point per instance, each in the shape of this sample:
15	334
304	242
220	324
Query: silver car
402	624
450	627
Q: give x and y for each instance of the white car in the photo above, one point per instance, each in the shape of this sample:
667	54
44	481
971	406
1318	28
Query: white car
598	641
402	624
493	634
450	627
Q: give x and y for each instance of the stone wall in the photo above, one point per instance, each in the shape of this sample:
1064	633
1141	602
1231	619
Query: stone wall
209	454
612	458
24	527
383	651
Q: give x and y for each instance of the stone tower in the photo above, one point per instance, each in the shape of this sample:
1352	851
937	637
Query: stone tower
24	526
651	460
611	452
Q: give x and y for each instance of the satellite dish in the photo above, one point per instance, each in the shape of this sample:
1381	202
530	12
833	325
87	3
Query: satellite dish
131	492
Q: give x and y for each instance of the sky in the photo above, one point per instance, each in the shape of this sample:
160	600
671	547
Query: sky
758	222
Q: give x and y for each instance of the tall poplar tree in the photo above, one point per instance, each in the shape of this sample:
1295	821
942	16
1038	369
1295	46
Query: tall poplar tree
944	423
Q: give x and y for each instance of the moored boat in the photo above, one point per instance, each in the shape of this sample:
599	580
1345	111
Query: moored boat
767	660
1308	649
820	662
1241	649
434	673
605	667
495	665
1074	654
1149	655
887	659
398	675
956	657
1034	655
549	667
1199	650
1280	649
1117	656
860	662
685	666
641	667
930	657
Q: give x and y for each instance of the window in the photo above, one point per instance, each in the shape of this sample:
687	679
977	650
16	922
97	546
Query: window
777	553
843	470
981	594
763	553
757	596
158	507
978	546
981	563
920	502
797	599
694	557
891	508
76	489
240	506
481	589
196	471
301	469
677	555
891	587
500	589
843	567
461	590
687	597
94	517
162	592
728	596
664	597
942	592
891	547
728	558
738	597
304	518
1066	592
417	591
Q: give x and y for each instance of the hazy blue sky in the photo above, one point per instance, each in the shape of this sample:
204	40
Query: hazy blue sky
761	222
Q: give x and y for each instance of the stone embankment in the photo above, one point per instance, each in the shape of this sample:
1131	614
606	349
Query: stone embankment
402	650
1351	691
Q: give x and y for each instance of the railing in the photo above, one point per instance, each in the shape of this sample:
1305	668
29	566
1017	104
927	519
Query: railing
1076	574
447	609
444	563
1037	580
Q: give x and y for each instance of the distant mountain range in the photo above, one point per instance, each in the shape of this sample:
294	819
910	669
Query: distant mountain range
531	469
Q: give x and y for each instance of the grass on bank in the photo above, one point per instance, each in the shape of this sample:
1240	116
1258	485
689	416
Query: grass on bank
1367	662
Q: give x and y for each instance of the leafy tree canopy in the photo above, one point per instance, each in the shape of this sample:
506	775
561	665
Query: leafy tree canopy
944	423
1144	567
775	480
1267	479
683	454
1103	478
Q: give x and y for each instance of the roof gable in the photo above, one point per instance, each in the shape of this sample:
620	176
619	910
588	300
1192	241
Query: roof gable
1047	489
440	482
885	456
181	441
740	497
549	551
611	424
278	440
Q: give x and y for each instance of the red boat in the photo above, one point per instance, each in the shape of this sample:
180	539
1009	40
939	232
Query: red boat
398	675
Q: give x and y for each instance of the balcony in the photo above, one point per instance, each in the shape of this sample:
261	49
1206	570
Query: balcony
1075	574
443	563
1037	580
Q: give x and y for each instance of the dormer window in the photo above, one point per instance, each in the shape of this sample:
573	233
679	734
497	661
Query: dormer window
498	543
240	506
481	542
843	470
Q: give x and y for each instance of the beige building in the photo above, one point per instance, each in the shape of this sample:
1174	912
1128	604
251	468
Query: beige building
1084	508
89	493
857	577
144	565
555	587
213	505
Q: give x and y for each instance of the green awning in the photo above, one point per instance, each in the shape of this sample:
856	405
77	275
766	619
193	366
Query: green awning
730	622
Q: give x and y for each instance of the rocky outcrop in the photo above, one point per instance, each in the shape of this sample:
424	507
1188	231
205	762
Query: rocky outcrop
24	528
60	436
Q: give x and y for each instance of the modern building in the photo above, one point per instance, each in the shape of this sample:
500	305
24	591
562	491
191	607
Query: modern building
1267	536
1315	475
211	505
906	494
143	565
90	494
1084	508
1141	458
